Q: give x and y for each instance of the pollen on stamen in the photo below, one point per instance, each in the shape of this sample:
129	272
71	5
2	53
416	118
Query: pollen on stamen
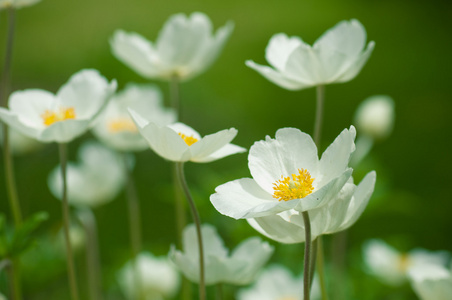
294	186
189	140
49	117
122	125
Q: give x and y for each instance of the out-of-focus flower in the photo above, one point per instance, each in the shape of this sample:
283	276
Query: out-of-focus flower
116	128
287	174
337	215
16	3
181	143
277	283
158	278
375	117
2	297
62	117
95	180
392	267
431	282
238	268
184	48
337	56
20	144
77	237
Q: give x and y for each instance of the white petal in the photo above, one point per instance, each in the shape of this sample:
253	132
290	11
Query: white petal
431	282
185	129
87	92
13	121
289	151
277	77
277	228
139	120
212	143
213	244
335	159
227	150
136	52
279	48
356	65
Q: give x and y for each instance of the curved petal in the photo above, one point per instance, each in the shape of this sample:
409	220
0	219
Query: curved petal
211	143
136	52
357	65
228	149
277	77
29	105
185	129
87	92
213	244
64	131
13	121
278	229
289	151
335	159
279	48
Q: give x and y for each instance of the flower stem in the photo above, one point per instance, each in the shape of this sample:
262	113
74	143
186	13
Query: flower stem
93	268
66	220
174	95
134	224
319	114
5	83
307	256
321	269
197	221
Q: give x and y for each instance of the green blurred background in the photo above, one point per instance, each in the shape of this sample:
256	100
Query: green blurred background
411	62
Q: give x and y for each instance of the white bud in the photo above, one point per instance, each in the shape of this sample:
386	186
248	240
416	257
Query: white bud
375	117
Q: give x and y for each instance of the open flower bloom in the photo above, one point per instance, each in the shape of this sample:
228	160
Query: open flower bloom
238	268
277	283
62	117
158	278
95	180
337	215
19	143
392	267
431	282
181	143
287	174
116	128
185	47
375	117
16	3
337	56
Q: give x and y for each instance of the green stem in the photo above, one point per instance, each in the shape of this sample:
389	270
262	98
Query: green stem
62	147
321	269
175	96
134	224
319	114
307	256
93	268
197	221
5	83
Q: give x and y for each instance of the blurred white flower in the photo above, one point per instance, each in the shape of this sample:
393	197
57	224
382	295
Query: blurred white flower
158	278
278	283
116	128
2	297
20	144
431	282
337	215
77	237
337	56
375	117
16	3
62	117
287	174
185	47
391	266
181	143
238	268
95	180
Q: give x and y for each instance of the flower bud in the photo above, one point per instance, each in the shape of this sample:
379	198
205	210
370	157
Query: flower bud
375	117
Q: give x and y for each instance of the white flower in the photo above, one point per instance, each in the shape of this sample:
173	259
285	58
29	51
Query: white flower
95	180
16	3
238	268
116	128
2	297
375	117
62	117
158	278
287	174
391	266
337	215
19	143
431	282
184	48
277	283
337	56
181	143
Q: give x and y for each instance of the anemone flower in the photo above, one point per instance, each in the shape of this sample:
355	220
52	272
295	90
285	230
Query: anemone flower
431	282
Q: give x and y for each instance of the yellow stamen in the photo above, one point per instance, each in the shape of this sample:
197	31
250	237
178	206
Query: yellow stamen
49	117
189	140
404	262
299	186
121	125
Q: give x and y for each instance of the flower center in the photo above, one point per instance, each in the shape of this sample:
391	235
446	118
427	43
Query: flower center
294	186
121	125
189	140
49	117
403	263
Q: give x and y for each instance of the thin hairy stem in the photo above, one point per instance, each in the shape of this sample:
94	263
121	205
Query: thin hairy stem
307	256
319	114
